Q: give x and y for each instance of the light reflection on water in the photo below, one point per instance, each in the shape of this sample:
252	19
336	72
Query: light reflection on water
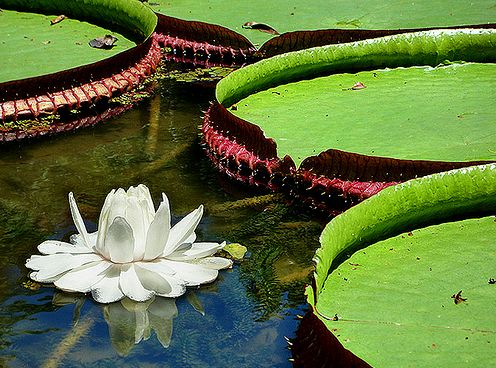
247	312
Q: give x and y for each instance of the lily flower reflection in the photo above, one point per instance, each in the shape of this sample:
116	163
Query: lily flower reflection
131	322
135	253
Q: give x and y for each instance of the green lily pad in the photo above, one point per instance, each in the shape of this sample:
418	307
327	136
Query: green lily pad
287	16
396	300
444	113
409	111
401	291
30	46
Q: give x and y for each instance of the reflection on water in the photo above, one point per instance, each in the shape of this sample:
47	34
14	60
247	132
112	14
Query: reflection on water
241	319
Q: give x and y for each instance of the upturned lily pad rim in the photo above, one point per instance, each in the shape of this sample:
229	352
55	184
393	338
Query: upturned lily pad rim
129	15
404	207
429	48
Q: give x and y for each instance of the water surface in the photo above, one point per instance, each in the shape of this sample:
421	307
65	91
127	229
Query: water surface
239	320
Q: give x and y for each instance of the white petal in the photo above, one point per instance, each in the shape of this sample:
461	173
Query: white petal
78	240
34	276
144	195
103	223
192	274
55	246
158	232
107	289
215	263
195	251
135	217
55	264
78	219
161	284
119	241
158	266
82	279
131	285
183	230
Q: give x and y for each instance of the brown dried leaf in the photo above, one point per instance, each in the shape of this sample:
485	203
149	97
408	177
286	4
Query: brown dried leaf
106	42
358	85
58	19
262	27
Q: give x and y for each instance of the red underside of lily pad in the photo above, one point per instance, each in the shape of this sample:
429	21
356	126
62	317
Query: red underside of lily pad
316	347
79	87
331	182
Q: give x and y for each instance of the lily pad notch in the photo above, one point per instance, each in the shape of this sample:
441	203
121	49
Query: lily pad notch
332	180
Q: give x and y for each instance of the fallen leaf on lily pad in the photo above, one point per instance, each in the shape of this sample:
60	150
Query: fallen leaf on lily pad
358	85
106	42
235	250
262	27
58	19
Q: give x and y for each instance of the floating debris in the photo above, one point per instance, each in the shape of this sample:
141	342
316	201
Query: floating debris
58	19
458	297
106	42
262	27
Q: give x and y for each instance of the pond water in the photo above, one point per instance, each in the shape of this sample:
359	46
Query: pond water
239	320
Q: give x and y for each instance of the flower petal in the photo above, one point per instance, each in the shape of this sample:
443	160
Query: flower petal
135	217
195	251
145	196
103	223
119	241
82	279
158	232
191	273
183	230
163	285
107	289
131	285
50	266
78	219
77	239
55	246
215	263
158	266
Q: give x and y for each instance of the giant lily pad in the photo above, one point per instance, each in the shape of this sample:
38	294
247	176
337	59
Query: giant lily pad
287	16
31	46
49	66
415	294
340	118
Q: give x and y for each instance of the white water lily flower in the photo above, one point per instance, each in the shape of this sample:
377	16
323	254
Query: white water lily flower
135	253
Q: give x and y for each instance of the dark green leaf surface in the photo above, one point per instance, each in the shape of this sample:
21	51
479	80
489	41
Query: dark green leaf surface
444	113
394	304
293	15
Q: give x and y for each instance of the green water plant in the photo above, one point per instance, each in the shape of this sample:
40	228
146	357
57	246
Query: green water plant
405	275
